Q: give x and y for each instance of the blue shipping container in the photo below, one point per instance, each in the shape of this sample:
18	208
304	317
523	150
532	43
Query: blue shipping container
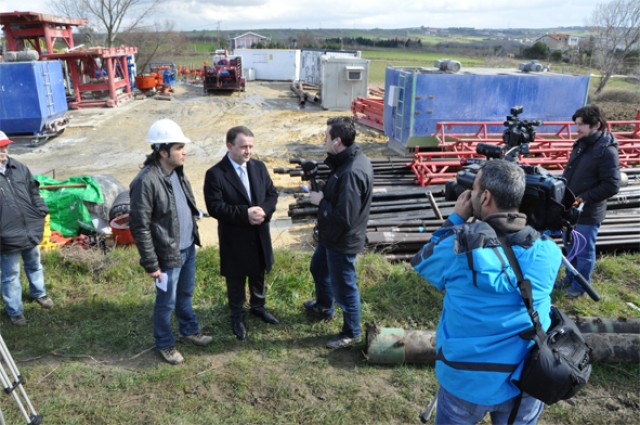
416	99
32	95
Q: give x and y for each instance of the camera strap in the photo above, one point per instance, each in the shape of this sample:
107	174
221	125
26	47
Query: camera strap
527	296
525	290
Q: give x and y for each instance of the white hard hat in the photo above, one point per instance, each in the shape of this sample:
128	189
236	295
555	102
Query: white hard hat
166	131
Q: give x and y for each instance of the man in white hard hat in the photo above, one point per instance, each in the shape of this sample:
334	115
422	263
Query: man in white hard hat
22	213
163	224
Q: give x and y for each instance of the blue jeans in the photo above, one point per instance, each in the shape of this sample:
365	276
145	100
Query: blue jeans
11	289
585	261
181	282
335	278
453	410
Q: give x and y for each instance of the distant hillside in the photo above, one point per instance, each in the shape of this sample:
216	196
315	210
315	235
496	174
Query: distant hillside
286	33
455	40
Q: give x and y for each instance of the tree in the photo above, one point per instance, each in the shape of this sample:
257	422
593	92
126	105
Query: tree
616	29
538	51
305	39
110	17
161	41
556	56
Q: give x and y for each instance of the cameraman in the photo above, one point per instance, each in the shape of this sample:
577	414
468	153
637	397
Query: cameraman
479	349
593	175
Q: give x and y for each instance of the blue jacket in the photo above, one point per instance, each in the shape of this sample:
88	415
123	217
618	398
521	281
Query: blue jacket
479	348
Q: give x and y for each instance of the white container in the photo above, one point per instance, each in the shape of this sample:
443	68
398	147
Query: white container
310	62
342	80
271	64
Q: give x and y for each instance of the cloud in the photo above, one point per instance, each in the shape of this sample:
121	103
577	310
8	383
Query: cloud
349	14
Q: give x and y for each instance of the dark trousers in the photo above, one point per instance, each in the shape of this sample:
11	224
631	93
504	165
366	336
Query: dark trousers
237	295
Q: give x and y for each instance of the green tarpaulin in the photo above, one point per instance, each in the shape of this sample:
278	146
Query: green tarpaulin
67	206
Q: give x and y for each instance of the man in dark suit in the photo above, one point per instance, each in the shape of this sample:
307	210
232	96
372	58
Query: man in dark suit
240	194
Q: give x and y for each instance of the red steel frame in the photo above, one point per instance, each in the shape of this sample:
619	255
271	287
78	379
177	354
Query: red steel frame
550	150
369	111
91	65
86	67
33	27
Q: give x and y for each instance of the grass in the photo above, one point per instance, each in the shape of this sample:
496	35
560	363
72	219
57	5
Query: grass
90	359
380	59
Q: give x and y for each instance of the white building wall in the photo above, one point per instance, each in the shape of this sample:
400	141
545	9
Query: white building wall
271	64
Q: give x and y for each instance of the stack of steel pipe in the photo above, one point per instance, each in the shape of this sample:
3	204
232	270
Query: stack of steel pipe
391	171
403	217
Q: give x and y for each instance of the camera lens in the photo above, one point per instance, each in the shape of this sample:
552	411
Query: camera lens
488	150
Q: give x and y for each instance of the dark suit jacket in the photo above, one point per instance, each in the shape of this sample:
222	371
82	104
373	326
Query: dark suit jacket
245	249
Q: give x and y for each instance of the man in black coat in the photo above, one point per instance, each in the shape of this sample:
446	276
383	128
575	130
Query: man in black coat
593	175
343	212
240	194
22	213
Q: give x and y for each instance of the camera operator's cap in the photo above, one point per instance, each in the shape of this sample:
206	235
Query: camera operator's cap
4	140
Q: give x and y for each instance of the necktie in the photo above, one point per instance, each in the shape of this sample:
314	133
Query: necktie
244	177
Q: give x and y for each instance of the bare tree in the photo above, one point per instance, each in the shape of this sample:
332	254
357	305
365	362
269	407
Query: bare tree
161	41
109	17
616	29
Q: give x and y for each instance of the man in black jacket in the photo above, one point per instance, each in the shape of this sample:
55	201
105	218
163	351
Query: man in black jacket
593	175
22	213
240	194
343	212
163	224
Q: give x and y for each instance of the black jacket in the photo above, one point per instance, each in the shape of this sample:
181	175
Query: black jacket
344	211
245	249
153	219
22	209
593	174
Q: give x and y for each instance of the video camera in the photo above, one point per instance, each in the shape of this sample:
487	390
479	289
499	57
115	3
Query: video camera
548	203
310	172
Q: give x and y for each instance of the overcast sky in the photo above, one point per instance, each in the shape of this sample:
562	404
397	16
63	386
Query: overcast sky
349	14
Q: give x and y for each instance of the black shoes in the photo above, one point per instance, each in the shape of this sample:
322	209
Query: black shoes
342	341
312	307
239	330
265	315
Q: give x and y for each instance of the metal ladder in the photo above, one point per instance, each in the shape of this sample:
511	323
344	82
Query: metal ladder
46	78
398	119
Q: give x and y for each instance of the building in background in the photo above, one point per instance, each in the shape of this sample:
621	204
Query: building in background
247	40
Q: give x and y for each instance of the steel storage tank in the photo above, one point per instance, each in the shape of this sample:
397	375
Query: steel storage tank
32	97
416	99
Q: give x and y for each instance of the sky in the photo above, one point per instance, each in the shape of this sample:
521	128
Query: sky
229	15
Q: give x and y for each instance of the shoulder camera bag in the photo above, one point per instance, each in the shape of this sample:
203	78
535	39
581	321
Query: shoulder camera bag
559	364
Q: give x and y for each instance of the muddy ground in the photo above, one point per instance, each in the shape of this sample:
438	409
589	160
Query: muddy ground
112	141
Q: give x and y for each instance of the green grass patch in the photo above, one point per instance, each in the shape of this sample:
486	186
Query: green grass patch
90	358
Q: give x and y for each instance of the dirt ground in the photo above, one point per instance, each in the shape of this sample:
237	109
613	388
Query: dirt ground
112	141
